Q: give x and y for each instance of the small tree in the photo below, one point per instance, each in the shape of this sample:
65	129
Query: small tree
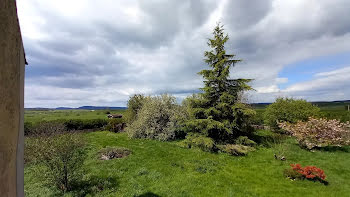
217	112
288	110
63	156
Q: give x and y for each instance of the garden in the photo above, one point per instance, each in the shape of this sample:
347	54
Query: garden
209	145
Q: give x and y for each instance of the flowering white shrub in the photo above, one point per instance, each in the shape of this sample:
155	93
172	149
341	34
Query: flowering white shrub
159	118
319	132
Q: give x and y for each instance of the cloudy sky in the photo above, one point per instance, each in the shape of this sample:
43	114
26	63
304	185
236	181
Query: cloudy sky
88	52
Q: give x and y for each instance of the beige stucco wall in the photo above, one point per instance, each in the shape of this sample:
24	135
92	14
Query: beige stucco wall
11	101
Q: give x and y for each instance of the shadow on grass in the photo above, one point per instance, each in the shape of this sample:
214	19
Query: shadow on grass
267	138
149	194
345	149
93	185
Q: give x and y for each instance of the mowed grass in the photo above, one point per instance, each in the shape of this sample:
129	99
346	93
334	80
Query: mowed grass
164	169
46	115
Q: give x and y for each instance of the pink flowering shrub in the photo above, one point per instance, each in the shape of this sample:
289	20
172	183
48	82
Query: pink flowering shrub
319	132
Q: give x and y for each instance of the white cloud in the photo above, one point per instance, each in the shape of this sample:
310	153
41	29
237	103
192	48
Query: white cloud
281	80
268	89
101	52
325	81
342	72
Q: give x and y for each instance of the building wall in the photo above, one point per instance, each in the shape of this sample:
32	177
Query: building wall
11	101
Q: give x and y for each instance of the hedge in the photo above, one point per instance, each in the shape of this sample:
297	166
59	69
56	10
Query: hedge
68	125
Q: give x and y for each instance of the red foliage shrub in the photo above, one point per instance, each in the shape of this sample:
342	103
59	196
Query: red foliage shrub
309	172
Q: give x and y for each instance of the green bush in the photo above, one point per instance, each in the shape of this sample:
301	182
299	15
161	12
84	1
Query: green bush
47	128
236	149
77	124
28	128
288	110
116	125
159	118
63	156
244	140
258	118
207	127
30	150
198	141
62	125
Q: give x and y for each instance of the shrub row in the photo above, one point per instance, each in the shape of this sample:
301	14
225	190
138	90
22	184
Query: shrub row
85	124
161	118
62	125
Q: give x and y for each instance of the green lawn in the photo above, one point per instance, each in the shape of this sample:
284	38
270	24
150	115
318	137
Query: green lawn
40	115
163	169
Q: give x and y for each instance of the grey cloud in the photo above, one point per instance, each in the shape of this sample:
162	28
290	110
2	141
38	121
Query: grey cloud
162	22
174	16
103	60
243	14
335	17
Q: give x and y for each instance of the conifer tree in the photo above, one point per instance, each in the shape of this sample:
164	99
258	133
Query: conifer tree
217	112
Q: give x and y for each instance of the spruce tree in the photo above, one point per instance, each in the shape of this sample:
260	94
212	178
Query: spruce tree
217	112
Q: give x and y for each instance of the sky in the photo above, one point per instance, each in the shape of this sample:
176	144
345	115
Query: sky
88	52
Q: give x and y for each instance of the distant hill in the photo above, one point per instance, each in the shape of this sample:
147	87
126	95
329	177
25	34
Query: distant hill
254	105
38	108
63	108
82	107
99	107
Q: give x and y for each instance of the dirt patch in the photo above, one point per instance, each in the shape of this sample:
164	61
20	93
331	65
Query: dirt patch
113	153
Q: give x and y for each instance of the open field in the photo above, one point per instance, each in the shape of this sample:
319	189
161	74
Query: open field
40	115
157	168
327	111
163	169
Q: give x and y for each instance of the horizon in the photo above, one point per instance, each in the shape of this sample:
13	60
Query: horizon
100	53
56	107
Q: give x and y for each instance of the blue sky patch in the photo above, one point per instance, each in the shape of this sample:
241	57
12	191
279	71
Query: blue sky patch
305	70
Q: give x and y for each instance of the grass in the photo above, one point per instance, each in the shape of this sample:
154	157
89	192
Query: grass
164	169
341	115
36	115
